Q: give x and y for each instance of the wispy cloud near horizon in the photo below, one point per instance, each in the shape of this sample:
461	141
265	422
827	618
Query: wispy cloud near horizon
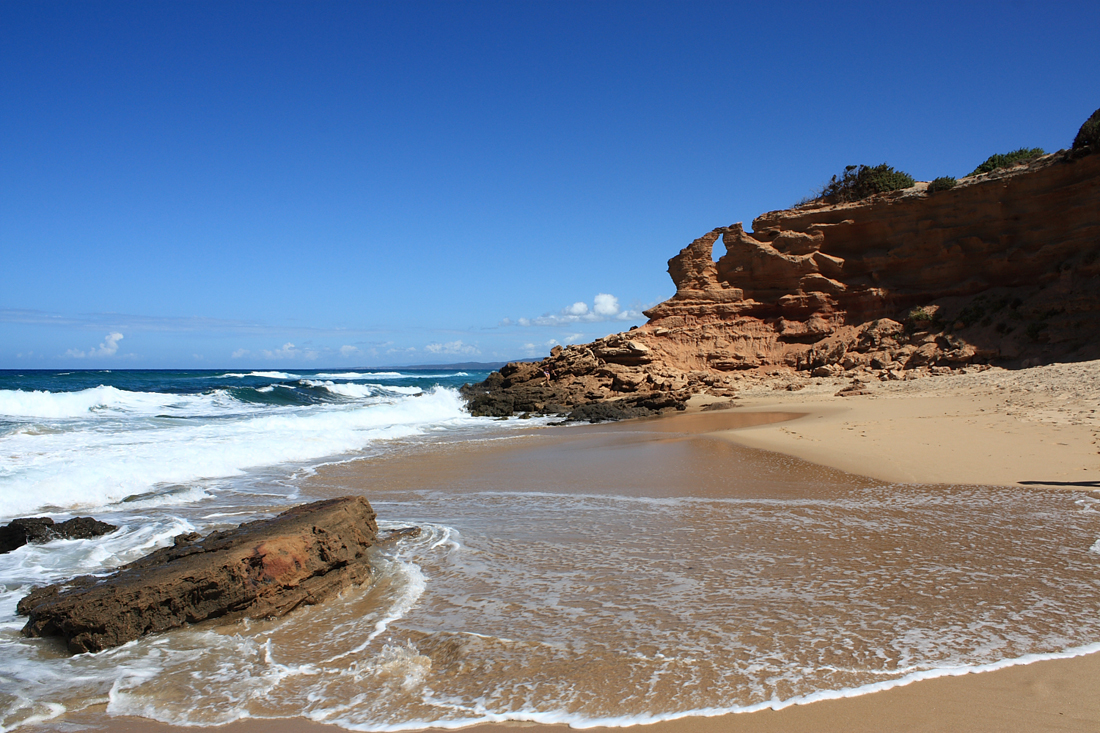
109	347
171	324
452	347
605	307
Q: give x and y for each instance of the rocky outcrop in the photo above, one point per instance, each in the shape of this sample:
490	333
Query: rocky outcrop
19	532
1005	268
260	569
589	382
1002	267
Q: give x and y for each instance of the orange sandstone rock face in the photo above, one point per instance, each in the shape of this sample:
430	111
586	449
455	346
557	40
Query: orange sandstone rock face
1004	267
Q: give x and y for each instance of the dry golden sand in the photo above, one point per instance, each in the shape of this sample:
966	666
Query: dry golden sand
1034	426
1038	426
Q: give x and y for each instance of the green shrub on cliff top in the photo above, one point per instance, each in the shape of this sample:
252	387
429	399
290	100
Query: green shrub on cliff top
1089	134
1007	160
861	181
943	183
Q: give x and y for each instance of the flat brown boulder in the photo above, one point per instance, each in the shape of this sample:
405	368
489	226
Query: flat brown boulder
258	570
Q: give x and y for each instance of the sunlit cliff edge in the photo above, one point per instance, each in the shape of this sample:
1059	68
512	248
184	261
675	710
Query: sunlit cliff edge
1002	269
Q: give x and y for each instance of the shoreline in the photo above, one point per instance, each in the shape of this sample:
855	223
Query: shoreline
1050	694
916	432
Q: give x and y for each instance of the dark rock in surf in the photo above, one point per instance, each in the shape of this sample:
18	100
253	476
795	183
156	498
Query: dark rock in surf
399	533
258	570
625	409
524	387
19	532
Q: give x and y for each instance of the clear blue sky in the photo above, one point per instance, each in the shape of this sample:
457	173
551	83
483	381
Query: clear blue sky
271	184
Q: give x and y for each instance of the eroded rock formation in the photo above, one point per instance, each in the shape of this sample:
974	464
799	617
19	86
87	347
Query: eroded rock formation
260	569
1005	268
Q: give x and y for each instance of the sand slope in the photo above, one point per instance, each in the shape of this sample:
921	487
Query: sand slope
1036	426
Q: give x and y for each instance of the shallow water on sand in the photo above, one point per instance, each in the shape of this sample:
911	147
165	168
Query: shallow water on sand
620	575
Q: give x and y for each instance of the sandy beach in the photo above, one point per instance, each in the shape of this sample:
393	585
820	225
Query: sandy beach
1034	428
1038	426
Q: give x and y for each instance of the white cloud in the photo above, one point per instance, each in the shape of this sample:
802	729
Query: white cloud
347	350
542	349
605	307
539	349
239	353
452	347
290	351
109	347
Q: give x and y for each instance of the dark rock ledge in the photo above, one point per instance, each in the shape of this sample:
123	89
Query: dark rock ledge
19	532
574	384
258	570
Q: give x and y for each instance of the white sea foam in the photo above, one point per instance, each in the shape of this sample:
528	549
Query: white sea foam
264	375
411	586
42	564
80	469
478	713
357	375
396	389
344	389
362	391
400	375
102	400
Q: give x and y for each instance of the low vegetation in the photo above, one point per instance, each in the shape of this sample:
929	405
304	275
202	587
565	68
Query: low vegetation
921	314
1007	160
943	183
923	318
860	181
1088	137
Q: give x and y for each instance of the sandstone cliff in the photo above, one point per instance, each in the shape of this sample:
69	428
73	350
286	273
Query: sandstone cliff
1003	268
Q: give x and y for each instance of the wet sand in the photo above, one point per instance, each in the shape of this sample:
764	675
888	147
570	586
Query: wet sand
1058	695
995	429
